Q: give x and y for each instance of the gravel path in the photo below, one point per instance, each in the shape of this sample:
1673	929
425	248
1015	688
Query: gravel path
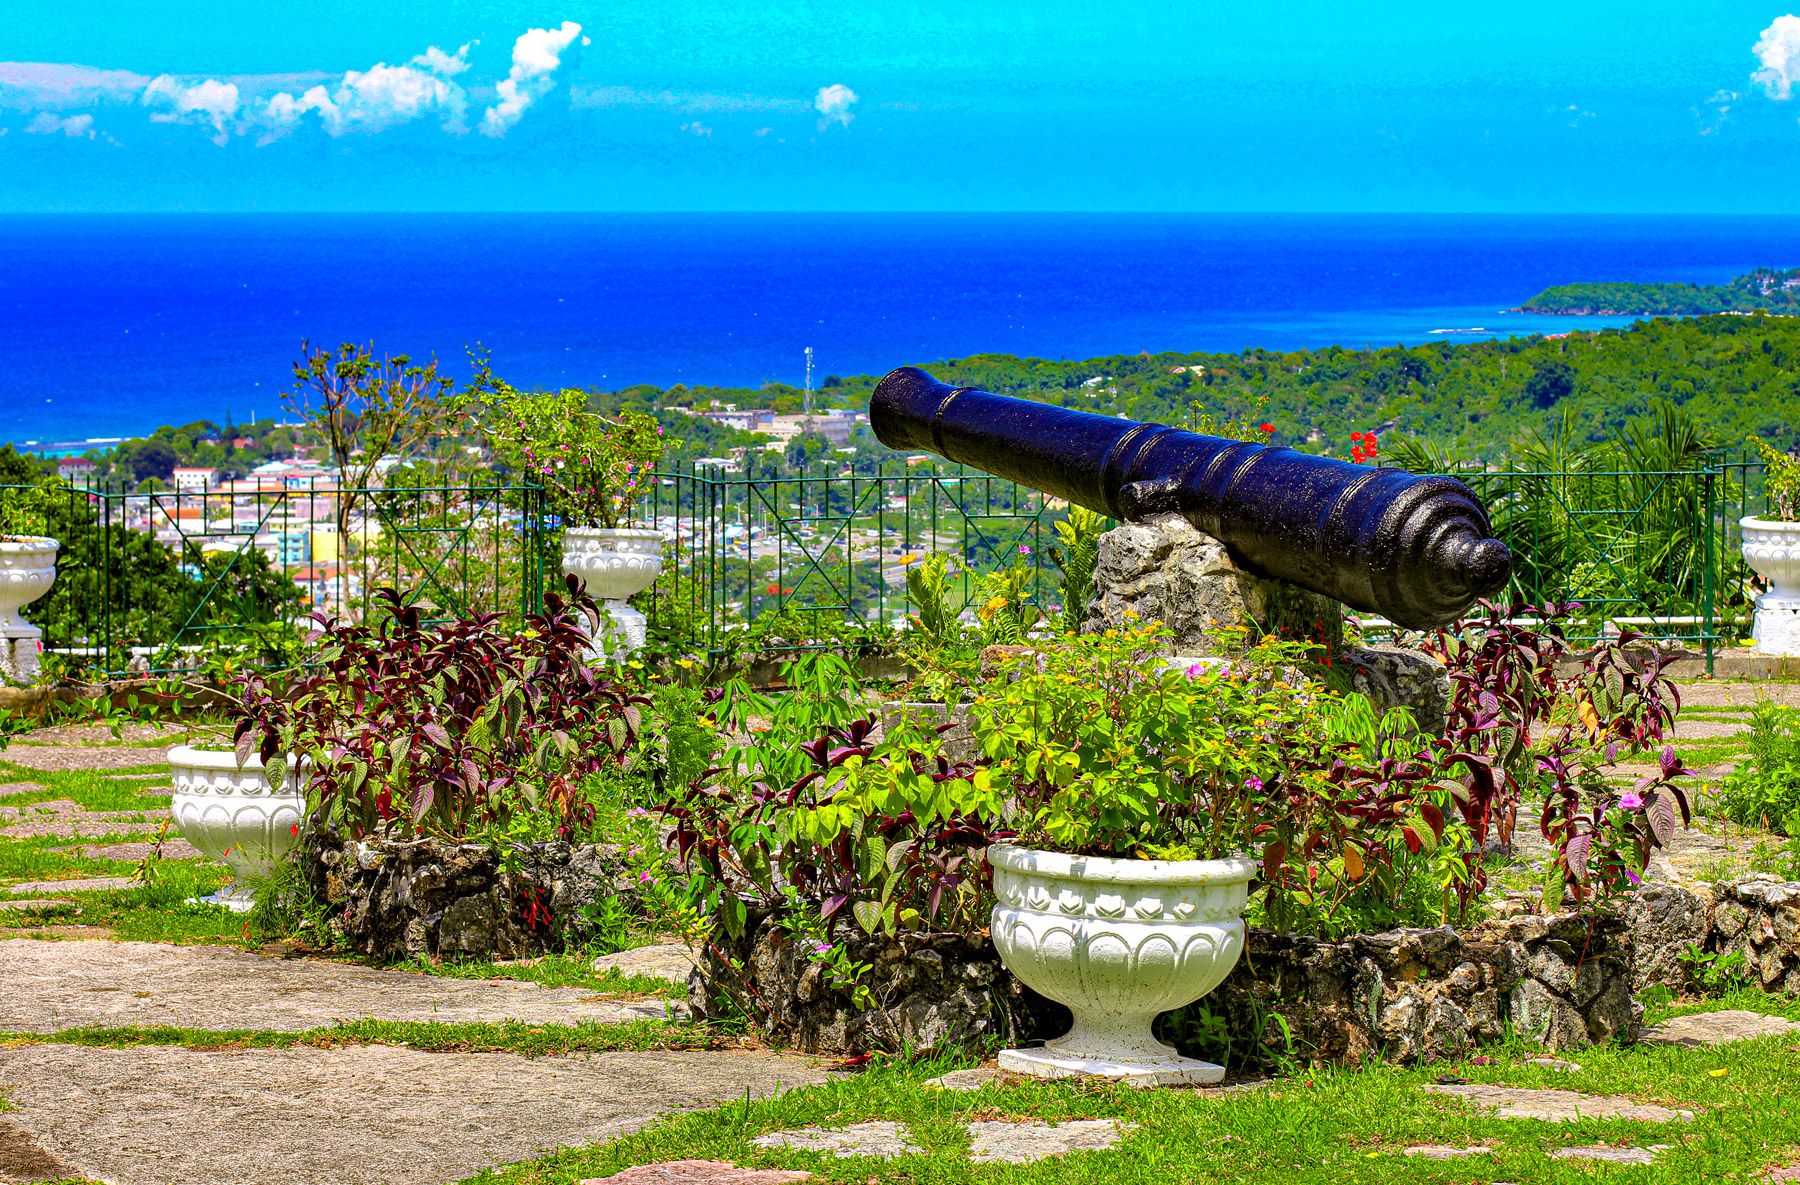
47	986
373	1115
56	758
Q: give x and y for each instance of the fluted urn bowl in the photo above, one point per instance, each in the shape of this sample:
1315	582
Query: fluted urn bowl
1772	548
27	570
1118	942
232	815
614	563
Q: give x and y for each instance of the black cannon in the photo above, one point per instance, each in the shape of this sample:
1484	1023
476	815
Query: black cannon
1417	550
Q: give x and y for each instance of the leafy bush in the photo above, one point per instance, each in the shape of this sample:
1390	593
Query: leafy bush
1764	788
1781	480
407	728
594	468
25	510
1077	557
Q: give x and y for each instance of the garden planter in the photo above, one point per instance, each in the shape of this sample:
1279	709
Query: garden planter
613	564
1118	942
1772	548
27	570
232	815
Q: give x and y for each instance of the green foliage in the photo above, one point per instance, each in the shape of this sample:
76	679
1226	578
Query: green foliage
25	511
1764	787
594	467
1782	480
1079	554
1715	973
1763	290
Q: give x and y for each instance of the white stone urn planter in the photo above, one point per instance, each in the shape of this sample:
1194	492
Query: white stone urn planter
1772	548
1118	942
231	814
27	570
614	563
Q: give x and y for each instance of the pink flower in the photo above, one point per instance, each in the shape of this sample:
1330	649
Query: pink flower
1631	800
1024	550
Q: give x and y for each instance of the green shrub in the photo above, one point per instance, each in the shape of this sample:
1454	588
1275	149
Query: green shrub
1764	789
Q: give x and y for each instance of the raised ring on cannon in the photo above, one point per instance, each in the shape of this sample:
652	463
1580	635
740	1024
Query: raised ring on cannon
1416	550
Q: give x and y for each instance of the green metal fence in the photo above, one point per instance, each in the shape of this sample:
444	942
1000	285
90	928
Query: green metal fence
830	551
161	581
167	581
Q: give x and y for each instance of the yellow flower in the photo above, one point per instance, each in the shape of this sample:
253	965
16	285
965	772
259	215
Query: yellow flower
1718	1073
992	607
908	558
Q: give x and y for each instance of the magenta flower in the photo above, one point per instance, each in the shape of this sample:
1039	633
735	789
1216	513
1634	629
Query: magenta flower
1024	550
1631	800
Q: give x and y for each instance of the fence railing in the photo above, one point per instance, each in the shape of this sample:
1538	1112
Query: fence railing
157	582
161	581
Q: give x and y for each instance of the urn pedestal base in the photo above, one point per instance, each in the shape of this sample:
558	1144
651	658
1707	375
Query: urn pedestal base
625	628
237	897
1088	1052
1777	628
19	647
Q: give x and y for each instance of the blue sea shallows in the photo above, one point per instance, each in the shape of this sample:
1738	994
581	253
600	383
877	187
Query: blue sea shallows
111	325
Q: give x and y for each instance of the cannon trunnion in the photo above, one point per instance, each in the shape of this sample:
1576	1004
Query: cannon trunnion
1416	550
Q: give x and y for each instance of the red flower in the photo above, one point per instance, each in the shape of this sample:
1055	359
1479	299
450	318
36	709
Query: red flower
1356	436
1265	427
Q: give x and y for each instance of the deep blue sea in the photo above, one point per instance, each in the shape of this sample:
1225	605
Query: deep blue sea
111	325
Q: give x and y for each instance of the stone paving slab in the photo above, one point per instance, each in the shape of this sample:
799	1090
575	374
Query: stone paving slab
1705	694
993	1141
669	960
371	1115
89	885
61	758
1608	1154
1555	1106
48	985
1446	1151
700	1172
18	904
174	848
878	1138
1717	1028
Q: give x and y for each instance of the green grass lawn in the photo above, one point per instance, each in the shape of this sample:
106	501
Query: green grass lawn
1329	1125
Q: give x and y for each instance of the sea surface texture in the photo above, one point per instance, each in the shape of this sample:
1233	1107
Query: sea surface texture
111	325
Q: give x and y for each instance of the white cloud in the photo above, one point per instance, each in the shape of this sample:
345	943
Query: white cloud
38	86
536	56
833	104
379	98
443	64
79	127
696	128
211	102
686	102
1779	52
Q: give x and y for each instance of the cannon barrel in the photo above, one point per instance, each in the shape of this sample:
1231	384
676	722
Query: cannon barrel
1416	550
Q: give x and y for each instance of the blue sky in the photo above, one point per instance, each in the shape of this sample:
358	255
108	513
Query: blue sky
926	105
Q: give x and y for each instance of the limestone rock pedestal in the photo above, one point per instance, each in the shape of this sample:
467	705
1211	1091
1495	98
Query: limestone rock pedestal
1164	570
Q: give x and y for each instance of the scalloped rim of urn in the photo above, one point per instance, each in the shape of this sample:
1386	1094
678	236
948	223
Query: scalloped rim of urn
607	533
29	545
1117	871
1753	522
200	758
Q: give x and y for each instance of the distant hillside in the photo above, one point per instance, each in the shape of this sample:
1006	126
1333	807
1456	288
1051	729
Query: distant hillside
1765	290
1734	375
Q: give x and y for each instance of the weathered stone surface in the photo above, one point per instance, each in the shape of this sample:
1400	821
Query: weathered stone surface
51	758
1446	1151
1717	1028
699	1172
966	1080
1165	571
932	991
1556	1106
46	986
399	899
173	848
1393	676
1421	995
672	961
1665	921
877	1138
1759	918
1555	1063
994	1141
164	1115
1610	1155
90	885
22	904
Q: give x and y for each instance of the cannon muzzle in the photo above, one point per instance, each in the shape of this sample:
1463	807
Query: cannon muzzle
1416	550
